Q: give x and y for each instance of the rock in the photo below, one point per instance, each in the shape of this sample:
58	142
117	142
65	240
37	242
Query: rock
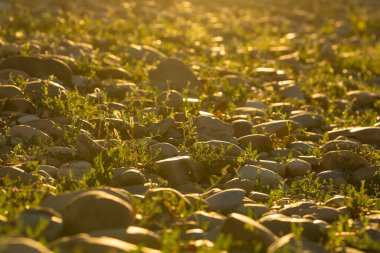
134	235
297	167
113	73
225	201
336	145
37	90
74	170
242	128
254	211
89	149
258	196
47	126
17	105
13	173
343	160
179	170
21	244
259	142
308	120
144	53
244	184
26	118
289	89
336	176
367	135
163	150
362	98
260	175
223	147
303	147
369	174
173	73
29	134
129	177
46	221
276	167
51	170
3	141
169	194
249	111
87	244
162	127
209	128
6	73
207	220
337	201
324	213
8	91
170	98
246	230
96	210
281	128
62	153
39	67
290	244
282	225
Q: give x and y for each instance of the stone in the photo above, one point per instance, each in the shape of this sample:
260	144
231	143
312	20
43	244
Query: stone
144	53
174	74
297	167
289	89
163	150
8	91
17	105
89	149
362	98
258	196
170	98
343	160
179	170
74	170
223	147
260	175
94	210
36	90
207	220
244	229
39	67
26	118
51	170
209	128
134	235
129	177
290	244
369	174
65	154
87	244
367	135
336	145
21	244
308	120
16	174
303	147
336	201
255	211
162	127
281	128
276	167
50	220
336	176
29	134
244	184
324	213
282	225
259	142
113	73
242	128
3	141
226	201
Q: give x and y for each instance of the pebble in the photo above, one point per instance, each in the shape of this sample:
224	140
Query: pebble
128	177
281	128
259	142
163	150
209	128
90	211
343	160
8	91
74	170
260	175
29	134
297	167
37	90
289	243
226	200
16	174
170	98
241	128
21	244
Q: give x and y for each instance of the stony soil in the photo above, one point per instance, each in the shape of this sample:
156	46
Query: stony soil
189	126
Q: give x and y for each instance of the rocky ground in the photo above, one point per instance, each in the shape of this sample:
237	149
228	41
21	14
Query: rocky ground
189	126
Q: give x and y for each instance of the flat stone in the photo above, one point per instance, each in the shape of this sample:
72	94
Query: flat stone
29	134
163	150
8	91
255	211
244	229
36	90
39	67
336	145
290	244
343	160
242	128
224	147
21	244
260	175
367	135
297	167
308	120
95	210
281	128
13	173
369	174
173	73
259	142
74	170
276	167
226	200
89	149
18	105
144	53
335	175
209	128
179	170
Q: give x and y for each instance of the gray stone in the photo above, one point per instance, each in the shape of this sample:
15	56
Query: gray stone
297	167
290	244
226	201
29	134
259	142
21	244
343	160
